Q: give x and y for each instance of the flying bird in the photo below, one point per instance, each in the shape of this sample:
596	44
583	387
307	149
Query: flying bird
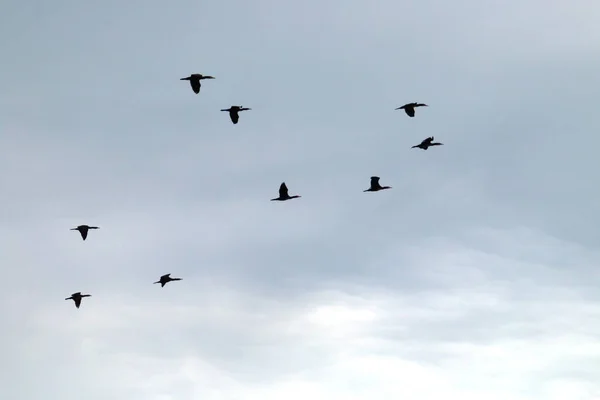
233	112
425	144
83	229
409	108
283	194
195	81
375	186
76	297
166	279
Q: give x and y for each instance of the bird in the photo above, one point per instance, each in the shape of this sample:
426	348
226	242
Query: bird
283	194
375	186
76	297
233	112
195	81
409	108
425	144
83	229
166	279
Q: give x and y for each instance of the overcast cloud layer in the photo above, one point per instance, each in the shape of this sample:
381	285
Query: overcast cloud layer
476	277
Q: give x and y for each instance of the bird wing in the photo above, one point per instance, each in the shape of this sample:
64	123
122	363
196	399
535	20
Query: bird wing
428	140
234	116
410	111
420	105
195	83
166	276
77	301
283	190
83	232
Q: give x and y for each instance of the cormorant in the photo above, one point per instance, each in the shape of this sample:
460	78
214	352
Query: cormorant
283	194
233	112
166	279
195	81
83	229
76	297
375	186
425	144
409	108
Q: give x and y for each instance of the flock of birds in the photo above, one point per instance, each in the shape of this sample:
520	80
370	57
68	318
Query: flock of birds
194	80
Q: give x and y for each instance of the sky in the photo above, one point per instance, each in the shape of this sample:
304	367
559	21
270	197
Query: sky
475	277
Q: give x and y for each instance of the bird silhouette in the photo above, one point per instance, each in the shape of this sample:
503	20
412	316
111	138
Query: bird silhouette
409	108
425	144
76	297
83	230
195	81
283	194
166	279
233	112
375	186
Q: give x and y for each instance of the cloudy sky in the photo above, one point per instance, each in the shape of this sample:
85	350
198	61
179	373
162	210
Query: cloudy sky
475	277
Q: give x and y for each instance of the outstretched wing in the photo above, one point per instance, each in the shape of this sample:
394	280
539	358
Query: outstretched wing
195	83
77	301
84	233
421	105
166	276
410	111
234	116
283	190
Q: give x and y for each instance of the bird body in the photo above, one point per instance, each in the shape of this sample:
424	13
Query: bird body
195	81
375	186
166	279
409	108
83	230
76	297
426	143
283	194
233	112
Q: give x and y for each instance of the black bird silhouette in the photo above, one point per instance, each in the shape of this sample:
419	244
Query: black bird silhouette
375	186
409	108
283	194
166	279
195	81
425	144
233	112
83	229
76	297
